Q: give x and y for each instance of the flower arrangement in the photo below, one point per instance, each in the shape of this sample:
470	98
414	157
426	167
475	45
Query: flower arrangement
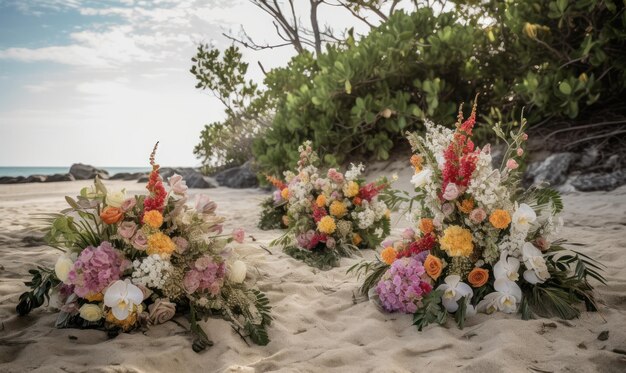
274	209
332	215
131	262
481	243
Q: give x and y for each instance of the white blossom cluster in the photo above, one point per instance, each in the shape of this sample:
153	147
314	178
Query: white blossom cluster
486	186
354	172
152	271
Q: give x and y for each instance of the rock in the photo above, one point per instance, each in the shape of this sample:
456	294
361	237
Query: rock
85	172
238	177
199	181
34	179
193	177
60	177
11	179
594	181
129	176
603	336
612	163
553	170
589	158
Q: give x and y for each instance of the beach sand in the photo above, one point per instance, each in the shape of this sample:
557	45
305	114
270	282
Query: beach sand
319	325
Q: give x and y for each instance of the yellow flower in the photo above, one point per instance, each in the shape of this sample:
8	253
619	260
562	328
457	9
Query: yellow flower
285	193
466	206
153	218
90	312
327	225
416	161
388	255
388	214
338	209
356	239
457	241
500	219
161	244
321	200
351	189
125	324
94	297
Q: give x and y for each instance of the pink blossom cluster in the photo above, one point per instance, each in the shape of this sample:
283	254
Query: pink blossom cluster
96	268
404	284
311	239
205	274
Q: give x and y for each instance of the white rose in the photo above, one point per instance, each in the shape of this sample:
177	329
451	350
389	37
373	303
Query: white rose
115	199
452	192
63	267
237	272
90	312
421	178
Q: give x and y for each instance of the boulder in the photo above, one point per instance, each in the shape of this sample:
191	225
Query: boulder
594	181
60	177
553	170
85	172
199	181
128	176
34	179
193	177
11	179
238	177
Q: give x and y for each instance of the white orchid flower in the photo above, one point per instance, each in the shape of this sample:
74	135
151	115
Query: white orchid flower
536	268
506	268
506	297
122	297
453	290
523	217
421	178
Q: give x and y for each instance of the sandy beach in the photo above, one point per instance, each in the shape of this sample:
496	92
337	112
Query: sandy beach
319	325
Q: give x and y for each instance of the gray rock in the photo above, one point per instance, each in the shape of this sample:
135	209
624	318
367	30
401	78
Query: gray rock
594	181
589	158
60	177
553	170
85	172
11	179
193	177
238	177
34	179
198	181
129	176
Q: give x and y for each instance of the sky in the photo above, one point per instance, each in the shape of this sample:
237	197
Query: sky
99	82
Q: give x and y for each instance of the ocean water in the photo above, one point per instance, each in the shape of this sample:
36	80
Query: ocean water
27	171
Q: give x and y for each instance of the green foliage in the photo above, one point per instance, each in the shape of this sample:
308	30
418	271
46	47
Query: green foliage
324	260
461	312
431	311
271	216
42	282
258	332
372	271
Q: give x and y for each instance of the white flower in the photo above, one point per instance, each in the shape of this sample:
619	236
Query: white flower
90	312
505	298
115	199
178	184
122	297
63	267
453	290
237	272
523	217
452	192
354	172
420	178
506	268
537	271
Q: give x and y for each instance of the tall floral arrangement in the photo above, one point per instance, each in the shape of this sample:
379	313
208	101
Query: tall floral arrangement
480	243
331	214
134	261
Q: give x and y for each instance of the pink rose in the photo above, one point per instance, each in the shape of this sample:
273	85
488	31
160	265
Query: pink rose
239	235
452	192
477	215
486	149
520	151
140	241
542	244
408	234
191	281
302	240
331	243
178	185
161	311
128	204
204	205
525	136
511	164
181	244
335	176
447	209
127	229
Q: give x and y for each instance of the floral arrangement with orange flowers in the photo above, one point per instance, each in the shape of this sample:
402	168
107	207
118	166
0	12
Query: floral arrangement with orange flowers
481	243
274	209
134	261
331	215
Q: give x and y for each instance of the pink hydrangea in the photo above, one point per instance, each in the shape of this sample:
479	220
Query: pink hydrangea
96	268
205	275
404	284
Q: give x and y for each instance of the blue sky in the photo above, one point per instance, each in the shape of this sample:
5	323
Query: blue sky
100	81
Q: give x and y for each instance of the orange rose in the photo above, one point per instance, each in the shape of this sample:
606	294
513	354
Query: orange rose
426	225
388	255
356	239
466	206
433	266
416	161
97	297
357	201
478	277
111	215
500	219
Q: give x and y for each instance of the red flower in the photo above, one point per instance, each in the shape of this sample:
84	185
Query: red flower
369	191
318	212
156	199
425	243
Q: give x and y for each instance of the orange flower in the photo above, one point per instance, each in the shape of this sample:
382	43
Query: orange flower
111	215
433	266
153	218
356	239
500	219
426	225
321	200
478	277
285	193
466	206
388	255
416	161
357	201
97	297
126	324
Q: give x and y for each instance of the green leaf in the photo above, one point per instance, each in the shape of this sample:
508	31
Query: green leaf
565	88
348	87
432	311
